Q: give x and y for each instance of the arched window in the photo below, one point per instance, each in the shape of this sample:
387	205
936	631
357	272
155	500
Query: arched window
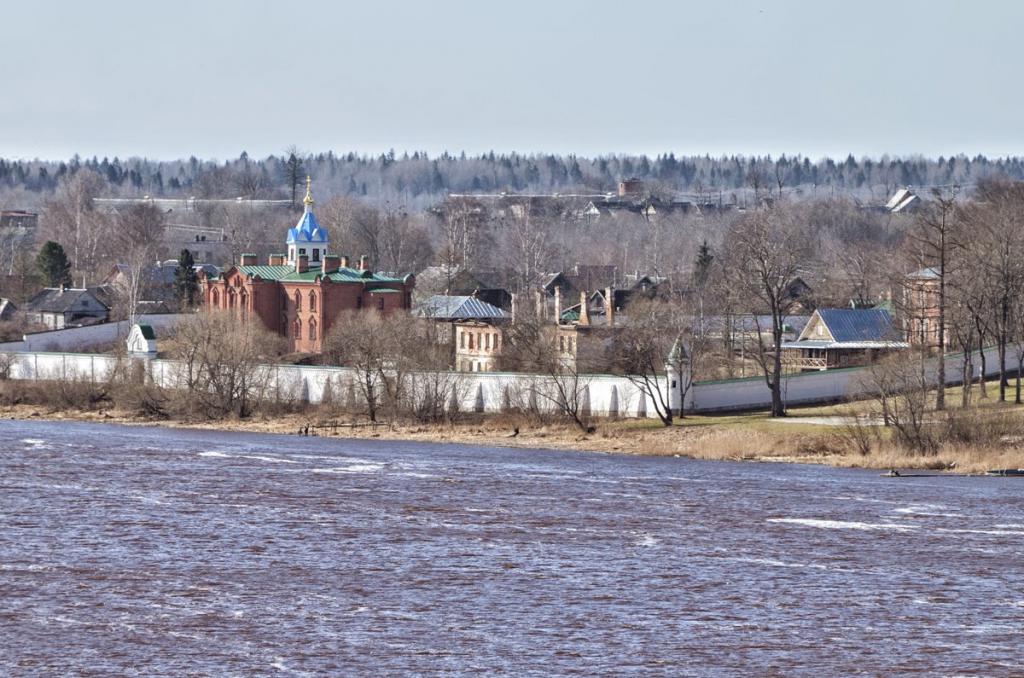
298	301
232	298
297	329
215	299
312	329
245	304
312	301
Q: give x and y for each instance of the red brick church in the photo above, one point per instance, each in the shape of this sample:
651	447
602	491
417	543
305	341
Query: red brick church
300	294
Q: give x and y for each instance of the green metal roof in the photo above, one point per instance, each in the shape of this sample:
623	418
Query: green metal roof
147	332
289	274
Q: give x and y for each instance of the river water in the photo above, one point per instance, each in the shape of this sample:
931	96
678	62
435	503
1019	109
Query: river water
142	551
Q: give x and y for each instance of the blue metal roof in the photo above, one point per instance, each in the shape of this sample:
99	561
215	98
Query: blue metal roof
860	324
307	230
930	273
444	307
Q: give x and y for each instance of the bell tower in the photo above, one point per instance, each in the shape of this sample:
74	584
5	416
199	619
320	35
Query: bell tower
307	239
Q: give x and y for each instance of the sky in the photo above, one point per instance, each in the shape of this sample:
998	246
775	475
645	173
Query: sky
208	78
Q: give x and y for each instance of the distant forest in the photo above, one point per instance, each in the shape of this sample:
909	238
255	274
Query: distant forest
416	181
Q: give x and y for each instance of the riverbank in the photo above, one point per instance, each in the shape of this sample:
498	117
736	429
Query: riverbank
814	436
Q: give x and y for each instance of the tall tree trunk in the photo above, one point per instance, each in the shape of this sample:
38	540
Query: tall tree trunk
1002	365
940	394
1020	366
984	366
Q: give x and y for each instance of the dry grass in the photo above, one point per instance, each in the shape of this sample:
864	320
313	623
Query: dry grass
747	437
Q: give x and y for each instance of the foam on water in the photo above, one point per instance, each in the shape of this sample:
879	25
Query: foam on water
928	510
1018	533
647	540
272	460
214	453
771	562
354	468
843	524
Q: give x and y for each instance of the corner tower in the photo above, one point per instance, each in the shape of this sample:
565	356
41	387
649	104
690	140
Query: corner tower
307	238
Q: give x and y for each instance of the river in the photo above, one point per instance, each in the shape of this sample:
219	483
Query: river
144	551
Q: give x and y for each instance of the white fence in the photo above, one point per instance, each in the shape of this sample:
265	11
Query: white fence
600	395
812	387
78	338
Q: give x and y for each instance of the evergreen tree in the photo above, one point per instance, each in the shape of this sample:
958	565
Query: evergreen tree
293	167
53	265
186	284
703	265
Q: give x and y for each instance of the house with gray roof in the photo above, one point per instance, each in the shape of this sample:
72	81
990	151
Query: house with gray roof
843	337
7	310
60	307
476	337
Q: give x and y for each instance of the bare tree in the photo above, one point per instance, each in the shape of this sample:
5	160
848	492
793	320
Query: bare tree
937	238
651	346
900	389
222	369
996	222
765	254
530	345
71	218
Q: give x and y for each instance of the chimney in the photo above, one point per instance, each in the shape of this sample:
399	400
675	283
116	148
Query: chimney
248	259
344	261
302	265
558	305
584	311
277	259
609	306
331	263
364	262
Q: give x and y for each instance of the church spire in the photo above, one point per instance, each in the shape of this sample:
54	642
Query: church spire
308	200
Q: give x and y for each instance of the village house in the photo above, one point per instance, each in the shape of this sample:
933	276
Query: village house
476	333
300	294
7	310
921	310
583	341
157	279
60	307
842	337
491	286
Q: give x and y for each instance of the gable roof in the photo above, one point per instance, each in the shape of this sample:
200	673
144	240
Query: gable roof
851	328
930	273
442	307
7	309
901	200
58	300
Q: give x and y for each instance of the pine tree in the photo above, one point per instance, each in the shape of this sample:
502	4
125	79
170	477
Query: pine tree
186	285
53	264
293	172
703	265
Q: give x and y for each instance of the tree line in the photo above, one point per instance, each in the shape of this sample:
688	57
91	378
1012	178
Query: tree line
418	179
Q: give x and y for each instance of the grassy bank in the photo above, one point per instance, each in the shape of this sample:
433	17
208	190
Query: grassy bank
820	435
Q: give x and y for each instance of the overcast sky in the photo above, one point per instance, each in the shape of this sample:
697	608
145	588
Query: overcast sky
821	77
